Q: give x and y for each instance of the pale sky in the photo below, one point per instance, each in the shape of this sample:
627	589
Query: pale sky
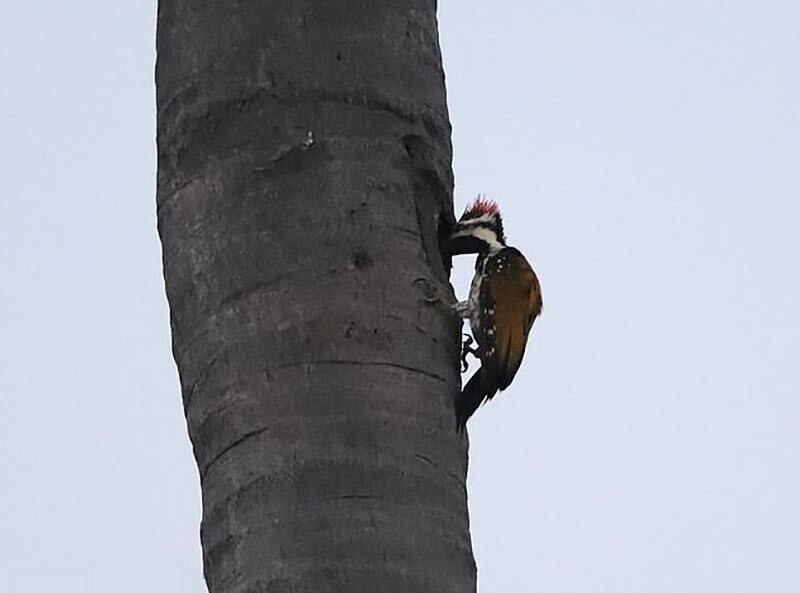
647	158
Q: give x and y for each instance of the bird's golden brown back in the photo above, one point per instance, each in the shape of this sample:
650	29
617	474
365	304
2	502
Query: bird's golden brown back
515	290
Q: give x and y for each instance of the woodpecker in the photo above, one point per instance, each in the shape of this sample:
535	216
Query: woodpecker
504	300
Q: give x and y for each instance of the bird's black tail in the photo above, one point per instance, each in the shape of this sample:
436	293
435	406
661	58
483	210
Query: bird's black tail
470	398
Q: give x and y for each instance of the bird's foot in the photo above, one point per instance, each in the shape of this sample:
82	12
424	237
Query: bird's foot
461	309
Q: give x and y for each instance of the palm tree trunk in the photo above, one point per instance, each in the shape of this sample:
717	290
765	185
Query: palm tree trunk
304	182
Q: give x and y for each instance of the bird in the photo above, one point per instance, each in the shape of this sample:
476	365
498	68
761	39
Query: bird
505	298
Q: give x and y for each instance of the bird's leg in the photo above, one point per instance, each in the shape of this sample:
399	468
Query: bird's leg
461	309
466	349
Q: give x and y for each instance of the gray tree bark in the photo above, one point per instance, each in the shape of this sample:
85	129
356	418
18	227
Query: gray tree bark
304	184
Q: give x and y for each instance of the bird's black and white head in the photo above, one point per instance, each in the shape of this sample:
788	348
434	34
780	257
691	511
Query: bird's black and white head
480	229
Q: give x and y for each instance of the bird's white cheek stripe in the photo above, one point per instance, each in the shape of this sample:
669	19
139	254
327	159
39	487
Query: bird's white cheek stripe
488	237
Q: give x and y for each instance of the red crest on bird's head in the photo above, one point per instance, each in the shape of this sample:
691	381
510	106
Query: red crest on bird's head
481	207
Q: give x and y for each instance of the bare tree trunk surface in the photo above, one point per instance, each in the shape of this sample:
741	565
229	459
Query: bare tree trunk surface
304	183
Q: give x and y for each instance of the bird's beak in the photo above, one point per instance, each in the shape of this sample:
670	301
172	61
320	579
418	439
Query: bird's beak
462	241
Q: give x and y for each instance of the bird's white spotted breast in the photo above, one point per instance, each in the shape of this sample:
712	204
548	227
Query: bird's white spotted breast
474	301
